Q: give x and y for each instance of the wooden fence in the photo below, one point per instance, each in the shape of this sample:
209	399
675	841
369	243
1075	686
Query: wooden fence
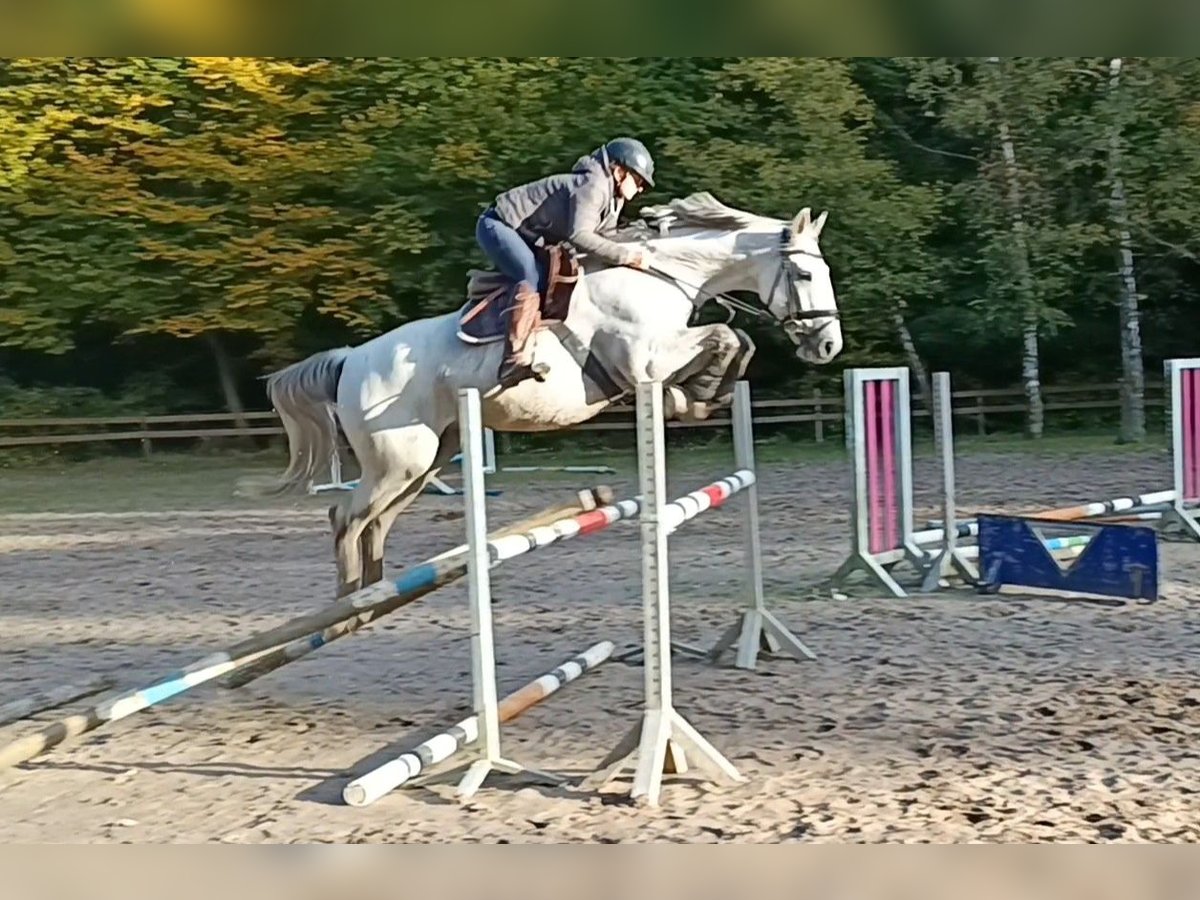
822	413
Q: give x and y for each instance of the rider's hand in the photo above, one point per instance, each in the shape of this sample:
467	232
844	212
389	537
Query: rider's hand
640	261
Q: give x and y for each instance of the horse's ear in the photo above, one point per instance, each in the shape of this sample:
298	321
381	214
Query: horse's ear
802	221
819	224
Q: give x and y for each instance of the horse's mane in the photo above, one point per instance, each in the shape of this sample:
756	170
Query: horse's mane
699	210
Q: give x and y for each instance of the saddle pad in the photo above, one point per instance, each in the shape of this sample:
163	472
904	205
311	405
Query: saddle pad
483	321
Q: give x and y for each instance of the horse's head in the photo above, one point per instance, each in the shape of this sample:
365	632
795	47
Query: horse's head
793	283
725	249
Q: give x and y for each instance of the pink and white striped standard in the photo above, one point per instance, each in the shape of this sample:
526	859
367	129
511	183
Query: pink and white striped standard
675	514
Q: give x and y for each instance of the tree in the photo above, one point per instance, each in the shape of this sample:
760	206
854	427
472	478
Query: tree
63	248
1156	107
184	218
787	133
1028	244
1133	379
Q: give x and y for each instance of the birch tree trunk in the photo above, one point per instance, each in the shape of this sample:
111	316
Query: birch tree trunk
915	364
1030	359
1133	381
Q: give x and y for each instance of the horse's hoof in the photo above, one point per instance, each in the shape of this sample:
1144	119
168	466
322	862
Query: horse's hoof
675	402
696	411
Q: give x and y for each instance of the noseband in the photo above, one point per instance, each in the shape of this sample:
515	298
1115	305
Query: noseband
789	272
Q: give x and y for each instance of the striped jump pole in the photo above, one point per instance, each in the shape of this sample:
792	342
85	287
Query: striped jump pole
1177	504
663	733
34	703
368	788
370	603
1143	508
675	514
937	533
585	500
1146	515
1116	511
1104	507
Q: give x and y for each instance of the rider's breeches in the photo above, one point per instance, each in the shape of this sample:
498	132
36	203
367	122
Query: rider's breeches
507	249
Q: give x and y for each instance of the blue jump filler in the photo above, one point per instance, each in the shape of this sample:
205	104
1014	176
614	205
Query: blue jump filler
1118	560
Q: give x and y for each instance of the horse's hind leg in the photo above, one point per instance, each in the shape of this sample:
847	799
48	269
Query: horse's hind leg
392	461
375	535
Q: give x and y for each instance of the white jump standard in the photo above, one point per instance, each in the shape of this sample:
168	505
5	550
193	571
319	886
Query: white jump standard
950	555
1183	382
483	654
757	628
663	730
484	554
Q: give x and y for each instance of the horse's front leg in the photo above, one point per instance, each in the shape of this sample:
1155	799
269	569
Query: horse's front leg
705	381
736	370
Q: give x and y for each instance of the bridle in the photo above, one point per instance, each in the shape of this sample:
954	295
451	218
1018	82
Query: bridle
789	272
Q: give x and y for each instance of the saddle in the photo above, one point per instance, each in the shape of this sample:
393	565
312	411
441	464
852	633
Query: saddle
489	294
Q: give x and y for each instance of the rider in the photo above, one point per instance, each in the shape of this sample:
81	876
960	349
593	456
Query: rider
579	208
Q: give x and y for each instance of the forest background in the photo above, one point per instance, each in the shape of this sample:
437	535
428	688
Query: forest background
172	229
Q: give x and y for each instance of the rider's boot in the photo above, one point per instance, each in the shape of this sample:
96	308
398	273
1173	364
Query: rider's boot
524	315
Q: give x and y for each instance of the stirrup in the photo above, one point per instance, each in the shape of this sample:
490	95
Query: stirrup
512	374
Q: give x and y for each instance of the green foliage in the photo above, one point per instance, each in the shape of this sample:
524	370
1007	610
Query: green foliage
144	395
794	132
292	204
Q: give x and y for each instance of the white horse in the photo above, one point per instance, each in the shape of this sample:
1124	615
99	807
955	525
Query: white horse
395	396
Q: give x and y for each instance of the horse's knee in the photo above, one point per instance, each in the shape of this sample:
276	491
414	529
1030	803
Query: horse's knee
724	340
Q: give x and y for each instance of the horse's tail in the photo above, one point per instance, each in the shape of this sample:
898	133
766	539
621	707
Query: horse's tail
304	395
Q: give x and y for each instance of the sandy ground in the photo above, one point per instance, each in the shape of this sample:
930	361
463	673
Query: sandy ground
956	718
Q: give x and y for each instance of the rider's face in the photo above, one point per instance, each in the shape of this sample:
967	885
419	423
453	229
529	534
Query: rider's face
629	185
